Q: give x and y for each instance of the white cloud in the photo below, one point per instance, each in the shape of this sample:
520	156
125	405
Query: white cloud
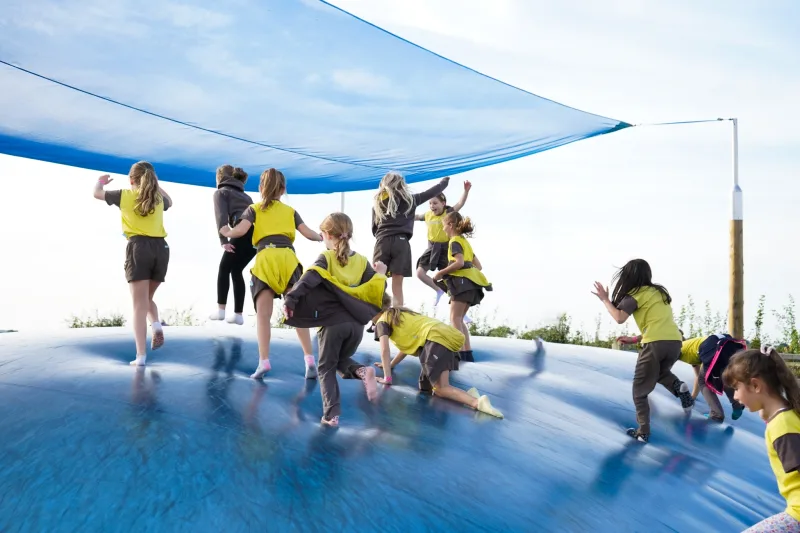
189	16
362	82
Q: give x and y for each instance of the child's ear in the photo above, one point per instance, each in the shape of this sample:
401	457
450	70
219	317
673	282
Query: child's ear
755	385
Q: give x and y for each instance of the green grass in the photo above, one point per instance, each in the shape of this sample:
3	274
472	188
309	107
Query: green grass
112	321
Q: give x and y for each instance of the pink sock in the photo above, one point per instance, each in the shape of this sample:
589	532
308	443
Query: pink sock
310	360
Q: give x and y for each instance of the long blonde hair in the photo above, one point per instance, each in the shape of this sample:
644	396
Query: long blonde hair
391	190
144	179
224	172
272	186
339	226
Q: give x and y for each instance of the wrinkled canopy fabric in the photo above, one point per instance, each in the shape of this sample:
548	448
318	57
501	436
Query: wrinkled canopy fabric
300	85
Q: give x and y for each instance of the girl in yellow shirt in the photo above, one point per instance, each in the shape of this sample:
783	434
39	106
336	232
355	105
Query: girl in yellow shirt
276	268
435	255
339	294
147	253
462	277
435	343
764	383
649	303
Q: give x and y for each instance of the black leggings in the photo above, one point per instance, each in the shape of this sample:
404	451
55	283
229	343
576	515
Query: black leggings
230	268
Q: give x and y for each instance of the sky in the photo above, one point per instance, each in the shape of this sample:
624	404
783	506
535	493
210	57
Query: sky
548	225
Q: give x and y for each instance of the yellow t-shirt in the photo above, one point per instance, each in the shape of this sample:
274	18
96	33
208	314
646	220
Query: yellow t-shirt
350	274
151	225
348	277
415	330
654	317
277	219
471	273
783	448
690	350
435	228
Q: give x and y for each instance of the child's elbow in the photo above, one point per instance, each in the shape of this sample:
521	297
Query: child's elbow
621	319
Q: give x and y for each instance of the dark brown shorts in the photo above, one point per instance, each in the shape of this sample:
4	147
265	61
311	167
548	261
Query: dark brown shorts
395	252
146	258
257	285
433	360
425	262
465	290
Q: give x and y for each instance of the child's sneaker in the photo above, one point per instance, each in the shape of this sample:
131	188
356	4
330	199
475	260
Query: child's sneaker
235	318
682	392
219	314
712	418
263	367
333	422
485	406
474	393
737	413
638	435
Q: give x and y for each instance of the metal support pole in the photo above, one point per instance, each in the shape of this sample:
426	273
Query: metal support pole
736	300
342	209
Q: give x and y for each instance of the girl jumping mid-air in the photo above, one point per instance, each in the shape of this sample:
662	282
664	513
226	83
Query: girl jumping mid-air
462	277
276	268
762	382
435	343
339	293
435	256
636	294
393	226
147	254
230	201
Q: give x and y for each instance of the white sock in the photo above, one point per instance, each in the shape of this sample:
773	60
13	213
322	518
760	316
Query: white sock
219	314
156	327
139	361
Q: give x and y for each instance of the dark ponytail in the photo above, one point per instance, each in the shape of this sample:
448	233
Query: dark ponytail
632	277
767	365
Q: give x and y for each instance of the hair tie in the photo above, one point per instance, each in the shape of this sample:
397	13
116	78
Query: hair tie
767	349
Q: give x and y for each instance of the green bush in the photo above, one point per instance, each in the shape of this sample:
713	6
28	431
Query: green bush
112	321
179	317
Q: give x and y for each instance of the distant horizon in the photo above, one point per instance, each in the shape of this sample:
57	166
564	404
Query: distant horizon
547	226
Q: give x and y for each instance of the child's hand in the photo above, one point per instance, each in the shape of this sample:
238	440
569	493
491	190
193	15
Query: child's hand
437	276
288	313
380	267
385	381
627	340
379	365
228	247
600	291
467	185
105	179
225	231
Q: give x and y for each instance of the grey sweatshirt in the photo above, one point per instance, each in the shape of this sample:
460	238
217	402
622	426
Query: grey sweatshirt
402	223
230	200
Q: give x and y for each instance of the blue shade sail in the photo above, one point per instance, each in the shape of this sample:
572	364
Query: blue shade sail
331	100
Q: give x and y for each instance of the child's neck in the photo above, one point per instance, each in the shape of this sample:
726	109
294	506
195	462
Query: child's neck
773	404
